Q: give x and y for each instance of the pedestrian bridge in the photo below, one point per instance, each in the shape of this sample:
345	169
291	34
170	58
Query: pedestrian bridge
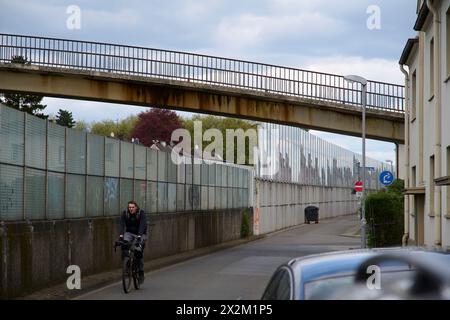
199	83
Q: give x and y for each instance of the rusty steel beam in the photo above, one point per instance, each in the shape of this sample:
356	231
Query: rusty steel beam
201	98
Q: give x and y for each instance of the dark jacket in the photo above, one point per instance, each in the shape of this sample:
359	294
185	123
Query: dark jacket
134	223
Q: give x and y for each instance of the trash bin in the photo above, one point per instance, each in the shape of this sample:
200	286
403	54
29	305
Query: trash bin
311	214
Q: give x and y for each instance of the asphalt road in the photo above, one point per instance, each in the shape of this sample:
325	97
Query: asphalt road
237	273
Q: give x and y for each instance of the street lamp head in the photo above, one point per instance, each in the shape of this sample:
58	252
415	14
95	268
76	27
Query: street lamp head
353	78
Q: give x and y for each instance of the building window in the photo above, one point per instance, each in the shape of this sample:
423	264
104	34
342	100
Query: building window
413	95
447	39
432	68
431	179
413	177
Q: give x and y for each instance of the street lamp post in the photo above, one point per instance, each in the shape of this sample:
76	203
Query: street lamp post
363	82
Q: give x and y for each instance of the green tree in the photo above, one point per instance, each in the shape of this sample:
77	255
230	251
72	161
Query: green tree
24	102
20	60
65	118
121	129
398	186
105	127
82	126
222	124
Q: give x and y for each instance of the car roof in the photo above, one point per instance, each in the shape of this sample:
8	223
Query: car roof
340	262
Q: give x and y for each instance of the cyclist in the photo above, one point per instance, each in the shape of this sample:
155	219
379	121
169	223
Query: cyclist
133	222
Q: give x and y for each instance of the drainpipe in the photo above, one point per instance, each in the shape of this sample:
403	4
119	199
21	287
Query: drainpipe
405	237
437	119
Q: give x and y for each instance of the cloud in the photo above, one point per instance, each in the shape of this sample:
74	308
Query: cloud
372	69
102	20
35	15
247	31
347	6
264	27
196	9
90	110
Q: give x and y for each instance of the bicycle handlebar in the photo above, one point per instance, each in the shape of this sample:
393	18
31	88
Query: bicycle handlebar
122	243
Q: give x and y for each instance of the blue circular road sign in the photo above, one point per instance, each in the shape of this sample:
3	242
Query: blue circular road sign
386	178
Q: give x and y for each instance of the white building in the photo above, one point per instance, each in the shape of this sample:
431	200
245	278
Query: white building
425	62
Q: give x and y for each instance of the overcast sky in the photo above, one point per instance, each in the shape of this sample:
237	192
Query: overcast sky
320	35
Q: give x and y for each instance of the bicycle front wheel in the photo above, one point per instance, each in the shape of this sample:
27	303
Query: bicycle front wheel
126	274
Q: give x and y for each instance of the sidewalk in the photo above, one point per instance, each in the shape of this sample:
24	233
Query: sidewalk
353	232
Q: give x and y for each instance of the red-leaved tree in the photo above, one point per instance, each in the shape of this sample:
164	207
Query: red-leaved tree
156	124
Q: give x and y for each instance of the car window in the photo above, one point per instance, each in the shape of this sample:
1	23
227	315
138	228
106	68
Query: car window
272	287
279	287
322	289
284	289
345	287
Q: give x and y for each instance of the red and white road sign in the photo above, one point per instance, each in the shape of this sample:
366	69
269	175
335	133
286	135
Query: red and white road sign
358	186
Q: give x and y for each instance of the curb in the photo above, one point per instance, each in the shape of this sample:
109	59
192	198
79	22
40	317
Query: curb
353	232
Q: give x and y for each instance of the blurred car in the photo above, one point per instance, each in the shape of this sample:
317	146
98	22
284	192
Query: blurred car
403	273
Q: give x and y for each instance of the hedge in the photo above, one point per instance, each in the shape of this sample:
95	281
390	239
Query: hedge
245	225
385	217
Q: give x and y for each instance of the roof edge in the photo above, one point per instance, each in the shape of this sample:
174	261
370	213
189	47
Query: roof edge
407	50
422	17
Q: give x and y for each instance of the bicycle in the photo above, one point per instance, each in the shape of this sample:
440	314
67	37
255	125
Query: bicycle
130	264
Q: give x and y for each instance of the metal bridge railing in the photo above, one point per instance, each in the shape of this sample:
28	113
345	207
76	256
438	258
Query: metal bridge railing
167	64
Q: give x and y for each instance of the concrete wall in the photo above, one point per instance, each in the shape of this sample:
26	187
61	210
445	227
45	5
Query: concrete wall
281	205
36	255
